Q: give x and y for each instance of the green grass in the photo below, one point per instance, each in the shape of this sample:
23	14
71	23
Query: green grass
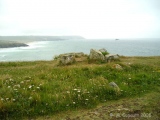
31	89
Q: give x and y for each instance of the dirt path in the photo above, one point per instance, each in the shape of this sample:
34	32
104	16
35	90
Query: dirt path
140	108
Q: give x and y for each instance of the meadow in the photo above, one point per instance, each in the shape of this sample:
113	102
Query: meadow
40	88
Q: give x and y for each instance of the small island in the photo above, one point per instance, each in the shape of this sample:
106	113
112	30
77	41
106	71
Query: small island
9	44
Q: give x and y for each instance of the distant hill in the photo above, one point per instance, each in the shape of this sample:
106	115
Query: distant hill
25	39
18	41
8	44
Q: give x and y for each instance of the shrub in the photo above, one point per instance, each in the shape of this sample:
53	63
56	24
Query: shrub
105	53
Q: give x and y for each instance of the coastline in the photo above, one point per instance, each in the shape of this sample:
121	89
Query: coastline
11	44
46	50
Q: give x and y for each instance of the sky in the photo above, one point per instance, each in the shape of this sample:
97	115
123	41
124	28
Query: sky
87	18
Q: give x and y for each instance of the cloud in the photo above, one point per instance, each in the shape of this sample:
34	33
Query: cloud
89	18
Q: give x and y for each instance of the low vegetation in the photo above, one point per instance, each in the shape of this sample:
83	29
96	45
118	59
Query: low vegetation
32	89
105	53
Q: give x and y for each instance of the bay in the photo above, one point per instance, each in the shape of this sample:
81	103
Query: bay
46	50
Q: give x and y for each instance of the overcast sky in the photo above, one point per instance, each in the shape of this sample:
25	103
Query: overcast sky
88	18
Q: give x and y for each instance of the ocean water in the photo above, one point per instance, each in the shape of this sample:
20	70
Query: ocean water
46	50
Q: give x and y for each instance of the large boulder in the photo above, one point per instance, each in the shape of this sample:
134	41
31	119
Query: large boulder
96	55
110	57
115	86
67	59
79	54
103	50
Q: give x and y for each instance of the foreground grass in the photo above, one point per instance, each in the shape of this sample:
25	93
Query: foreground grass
31	89
137	108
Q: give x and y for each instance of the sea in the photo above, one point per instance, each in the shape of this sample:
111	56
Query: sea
47	50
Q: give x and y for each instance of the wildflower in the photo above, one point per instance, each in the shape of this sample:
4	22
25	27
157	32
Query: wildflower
14	99
30	87
11	79
2	99
38	87
7	98
68	92
9	86
17	86
124	83
74	102
79	91
129	78
27	80
22	82
30	98
75	89
86	99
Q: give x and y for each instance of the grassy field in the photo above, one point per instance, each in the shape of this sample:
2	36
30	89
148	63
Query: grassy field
42	88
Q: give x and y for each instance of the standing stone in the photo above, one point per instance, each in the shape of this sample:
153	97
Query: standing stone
96	55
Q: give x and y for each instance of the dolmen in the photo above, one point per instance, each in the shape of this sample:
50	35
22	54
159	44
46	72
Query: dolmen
69	58
102	55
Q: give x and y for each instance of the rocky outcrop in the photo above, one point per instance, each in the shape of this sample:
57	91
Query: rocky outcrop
111	57
79	54
115	86
117	66
96	55
67	59
102	55
103	50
